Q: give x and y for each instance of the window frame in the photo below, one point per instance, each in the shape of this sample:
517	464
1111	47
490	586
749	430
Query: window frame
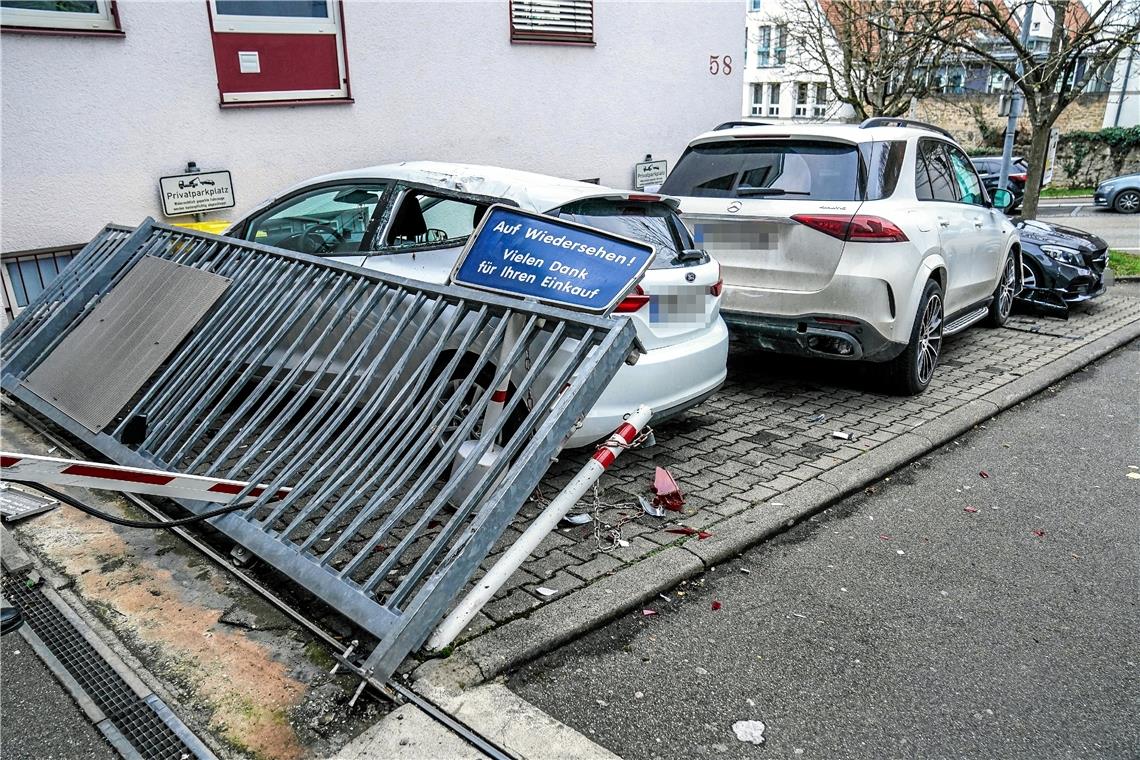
820	106
781	44
333	25
536	37
803	92
764	47
400	189
243	228
104	23
757	104
773	103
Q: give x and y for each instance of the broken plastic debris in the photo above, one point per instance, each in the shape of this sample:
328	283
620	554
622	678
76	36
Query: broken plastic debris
971	510
685	530
715	605
843	435
816	418
1039	533
749	731
984	474
1134	475
649	508
574	520
668	493
648	613
546	591
622	543
884	537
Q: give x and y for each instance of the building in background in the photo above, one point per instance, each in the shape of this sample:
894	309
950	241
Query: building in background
104	97
780	83
1123	107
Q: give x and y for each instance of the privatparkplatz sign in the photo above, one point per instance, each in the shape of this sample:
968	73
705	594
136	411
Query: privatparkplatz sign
551	260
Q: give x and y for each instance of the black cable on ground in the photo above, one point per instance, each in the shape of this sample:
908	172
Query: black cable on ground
161	525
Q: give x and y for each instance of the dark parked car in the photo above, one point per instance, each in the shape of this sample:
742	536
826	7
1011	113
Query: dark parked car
1060	266
1119	193
989	170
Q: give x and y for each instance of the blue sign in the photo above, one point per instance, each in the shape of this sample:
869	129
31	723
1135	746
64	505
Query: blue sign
551	260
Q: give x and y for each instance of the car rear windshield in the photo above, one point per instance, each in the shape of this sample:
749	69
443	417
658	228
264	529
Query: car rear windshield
653	223
789	169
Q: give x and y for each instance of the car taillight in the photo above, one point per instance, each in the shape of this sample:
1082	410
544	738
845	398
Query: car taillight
1019	177
716	290
633	301
860	228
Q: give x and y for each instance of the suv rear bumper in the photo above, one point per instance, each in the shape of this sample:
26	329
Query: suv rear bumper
805	335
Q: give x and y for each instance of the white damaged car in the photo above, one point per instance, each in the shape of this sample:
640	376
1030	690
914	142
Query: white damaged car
412	220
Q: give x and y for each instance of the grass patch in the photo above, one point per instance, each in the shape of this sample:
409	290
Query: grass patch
1065	192
1124	264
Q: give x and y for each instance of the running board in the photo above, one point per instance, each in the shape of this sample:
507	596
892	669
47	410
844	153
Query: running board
964	321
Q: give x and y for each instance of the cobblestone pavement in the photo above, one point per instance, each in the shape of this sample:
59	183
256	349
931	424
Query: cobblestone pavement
768	430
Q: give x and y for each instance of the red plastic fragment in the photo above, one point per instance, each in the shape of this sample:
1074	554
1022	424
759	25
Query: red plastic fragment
884	537
984	474
715	605
1039	533
703	534
668	493
648	613
682	530
971	510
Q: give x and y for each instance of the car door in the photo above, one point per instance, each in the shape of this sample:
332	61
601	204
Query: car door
424	232
936	188
332	219
985	229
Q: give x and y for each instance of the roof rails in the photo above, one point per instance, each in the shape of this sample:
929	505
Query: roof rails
898	121
735	124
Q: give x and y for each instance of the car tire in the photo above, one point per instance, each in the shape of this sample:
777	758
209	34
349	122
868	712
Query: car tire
909	373
1002	304
481	385
1127	201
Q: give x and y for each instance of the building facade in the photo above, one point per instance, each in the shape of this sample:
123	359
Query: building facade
103	98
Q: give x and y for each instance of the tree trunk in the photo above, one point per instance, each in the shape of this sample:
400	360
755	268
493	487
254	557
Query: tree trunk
1038	147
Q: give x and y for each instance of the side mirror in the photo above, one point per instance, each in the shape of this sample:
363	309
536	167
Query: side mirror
1002	199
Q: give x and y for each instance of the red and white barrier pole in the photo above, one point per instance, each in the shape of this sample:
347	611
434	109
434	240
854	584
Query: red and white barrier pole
513	557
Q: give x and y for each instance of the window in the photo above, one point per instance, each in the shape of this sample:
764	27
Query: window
753	5
425	219
883	162
75	16
773	98
764	48
653	223
331	220
783	169
279	51
933	179
969	186
781	45
801	99
820	109
569	22
757	100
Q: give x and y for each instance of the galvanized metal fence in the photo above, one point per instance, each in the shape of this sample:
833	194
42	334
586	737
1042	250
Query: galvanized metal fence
363	394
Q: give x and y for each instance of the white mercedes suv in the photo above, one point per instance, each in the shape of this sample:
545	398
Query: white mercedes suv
864	242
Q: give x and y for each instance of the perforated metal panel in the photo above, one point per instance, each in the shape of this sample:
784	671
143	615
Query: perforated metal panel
111	352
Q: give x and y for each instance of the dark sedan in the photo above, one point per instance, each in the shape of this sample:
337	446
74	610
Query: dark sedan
1119	193
1061	266
989	170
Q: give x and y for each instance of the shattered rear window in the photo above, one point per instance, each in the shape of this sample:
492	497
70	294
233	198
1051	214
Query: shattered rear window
653	223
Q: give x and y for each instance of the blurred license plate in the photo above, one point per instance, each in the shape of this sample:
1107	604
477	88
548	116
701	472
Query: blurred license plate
680	308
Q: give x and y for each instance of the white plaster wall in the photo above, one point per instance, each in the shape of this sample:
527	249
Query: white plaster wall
90	124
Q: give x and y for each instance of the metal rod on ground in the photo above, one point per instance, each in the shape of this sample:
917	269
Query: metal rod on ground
486	587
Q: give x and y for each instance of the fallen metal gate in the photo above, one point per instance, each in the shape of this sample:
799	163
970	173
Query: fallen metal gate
363	394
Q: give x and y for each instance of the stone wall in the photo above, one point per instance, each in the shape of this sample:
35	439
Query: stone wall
965	115
1084	164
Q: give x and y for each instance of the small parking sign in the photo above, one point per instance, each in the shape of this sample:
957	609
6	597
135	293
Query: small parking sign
551	260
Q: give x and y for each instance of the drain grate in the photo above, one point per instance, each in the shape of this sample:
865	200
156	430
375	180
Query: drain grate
146	724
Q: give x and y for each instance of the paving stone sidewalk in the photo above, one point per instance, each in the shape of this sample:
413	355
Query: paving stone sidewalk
769	430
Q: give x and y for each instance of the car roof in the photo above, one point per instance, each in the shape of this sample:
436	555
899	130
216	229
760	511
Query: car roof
536	192
850	133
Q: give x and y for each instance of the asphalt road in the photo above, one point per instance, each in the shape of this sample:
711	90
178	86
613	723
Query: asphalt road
1120	231
38	718
901	622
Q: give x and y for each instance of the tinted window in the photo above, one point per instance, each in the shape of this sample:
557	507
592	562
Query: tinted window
769	168
883	161
653	223
969	186
328	220
933	179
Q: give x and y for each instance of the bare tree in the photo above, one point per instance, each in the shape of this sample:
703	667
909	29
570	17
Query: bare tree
1082	43
871	52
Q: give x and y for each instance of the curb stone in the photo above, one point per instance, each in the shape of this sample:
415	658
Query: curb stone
553	625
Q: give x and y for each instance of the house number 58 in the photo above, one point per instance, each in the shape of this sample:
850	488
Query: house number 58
719	65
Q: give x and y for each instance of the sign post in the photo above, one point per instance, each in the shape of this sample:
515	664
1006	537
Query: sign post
194	193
